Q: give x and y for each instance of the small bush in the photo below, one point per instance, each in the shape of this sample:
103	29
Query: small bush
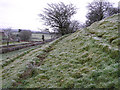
25	35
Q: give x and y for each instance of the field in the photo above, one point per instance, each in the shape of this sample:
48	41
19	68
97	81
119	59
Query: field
38	37
87	58
17	52
18	63
35	37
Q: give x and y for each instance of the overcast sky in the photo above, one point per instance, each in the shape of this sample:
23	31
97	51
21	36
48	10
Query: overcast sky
23	14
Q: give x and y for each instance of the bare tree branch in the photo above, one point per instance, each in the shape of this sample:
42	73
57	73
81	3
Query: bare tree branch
58	16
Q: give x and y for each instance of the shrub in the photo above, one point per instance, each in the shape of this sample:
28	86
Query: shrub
25	35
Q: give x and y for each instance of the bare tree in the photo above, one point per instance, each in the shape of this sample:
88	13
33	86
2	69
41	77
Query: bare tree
8	35
58	16
74	26
97	10
113	10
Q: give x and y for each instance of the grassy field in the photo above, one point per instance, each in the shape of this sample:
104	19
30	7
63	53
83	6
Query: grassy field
13	67
86	59
16	61
38	37
15	53
35	37
13	43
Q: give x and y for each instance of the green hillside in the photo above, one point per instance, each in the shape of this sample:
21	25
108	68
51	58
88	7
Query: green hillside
87	58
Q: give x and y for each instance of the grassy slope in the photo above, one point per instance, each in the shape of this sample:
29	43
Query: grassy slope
87	58
16	63
14	67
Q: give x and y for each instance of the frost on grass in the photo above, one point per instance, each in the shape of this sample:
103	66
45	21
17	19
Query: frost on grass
86	59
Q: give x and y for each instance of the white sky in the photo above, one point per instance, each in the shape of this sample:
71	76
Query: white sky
23	14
